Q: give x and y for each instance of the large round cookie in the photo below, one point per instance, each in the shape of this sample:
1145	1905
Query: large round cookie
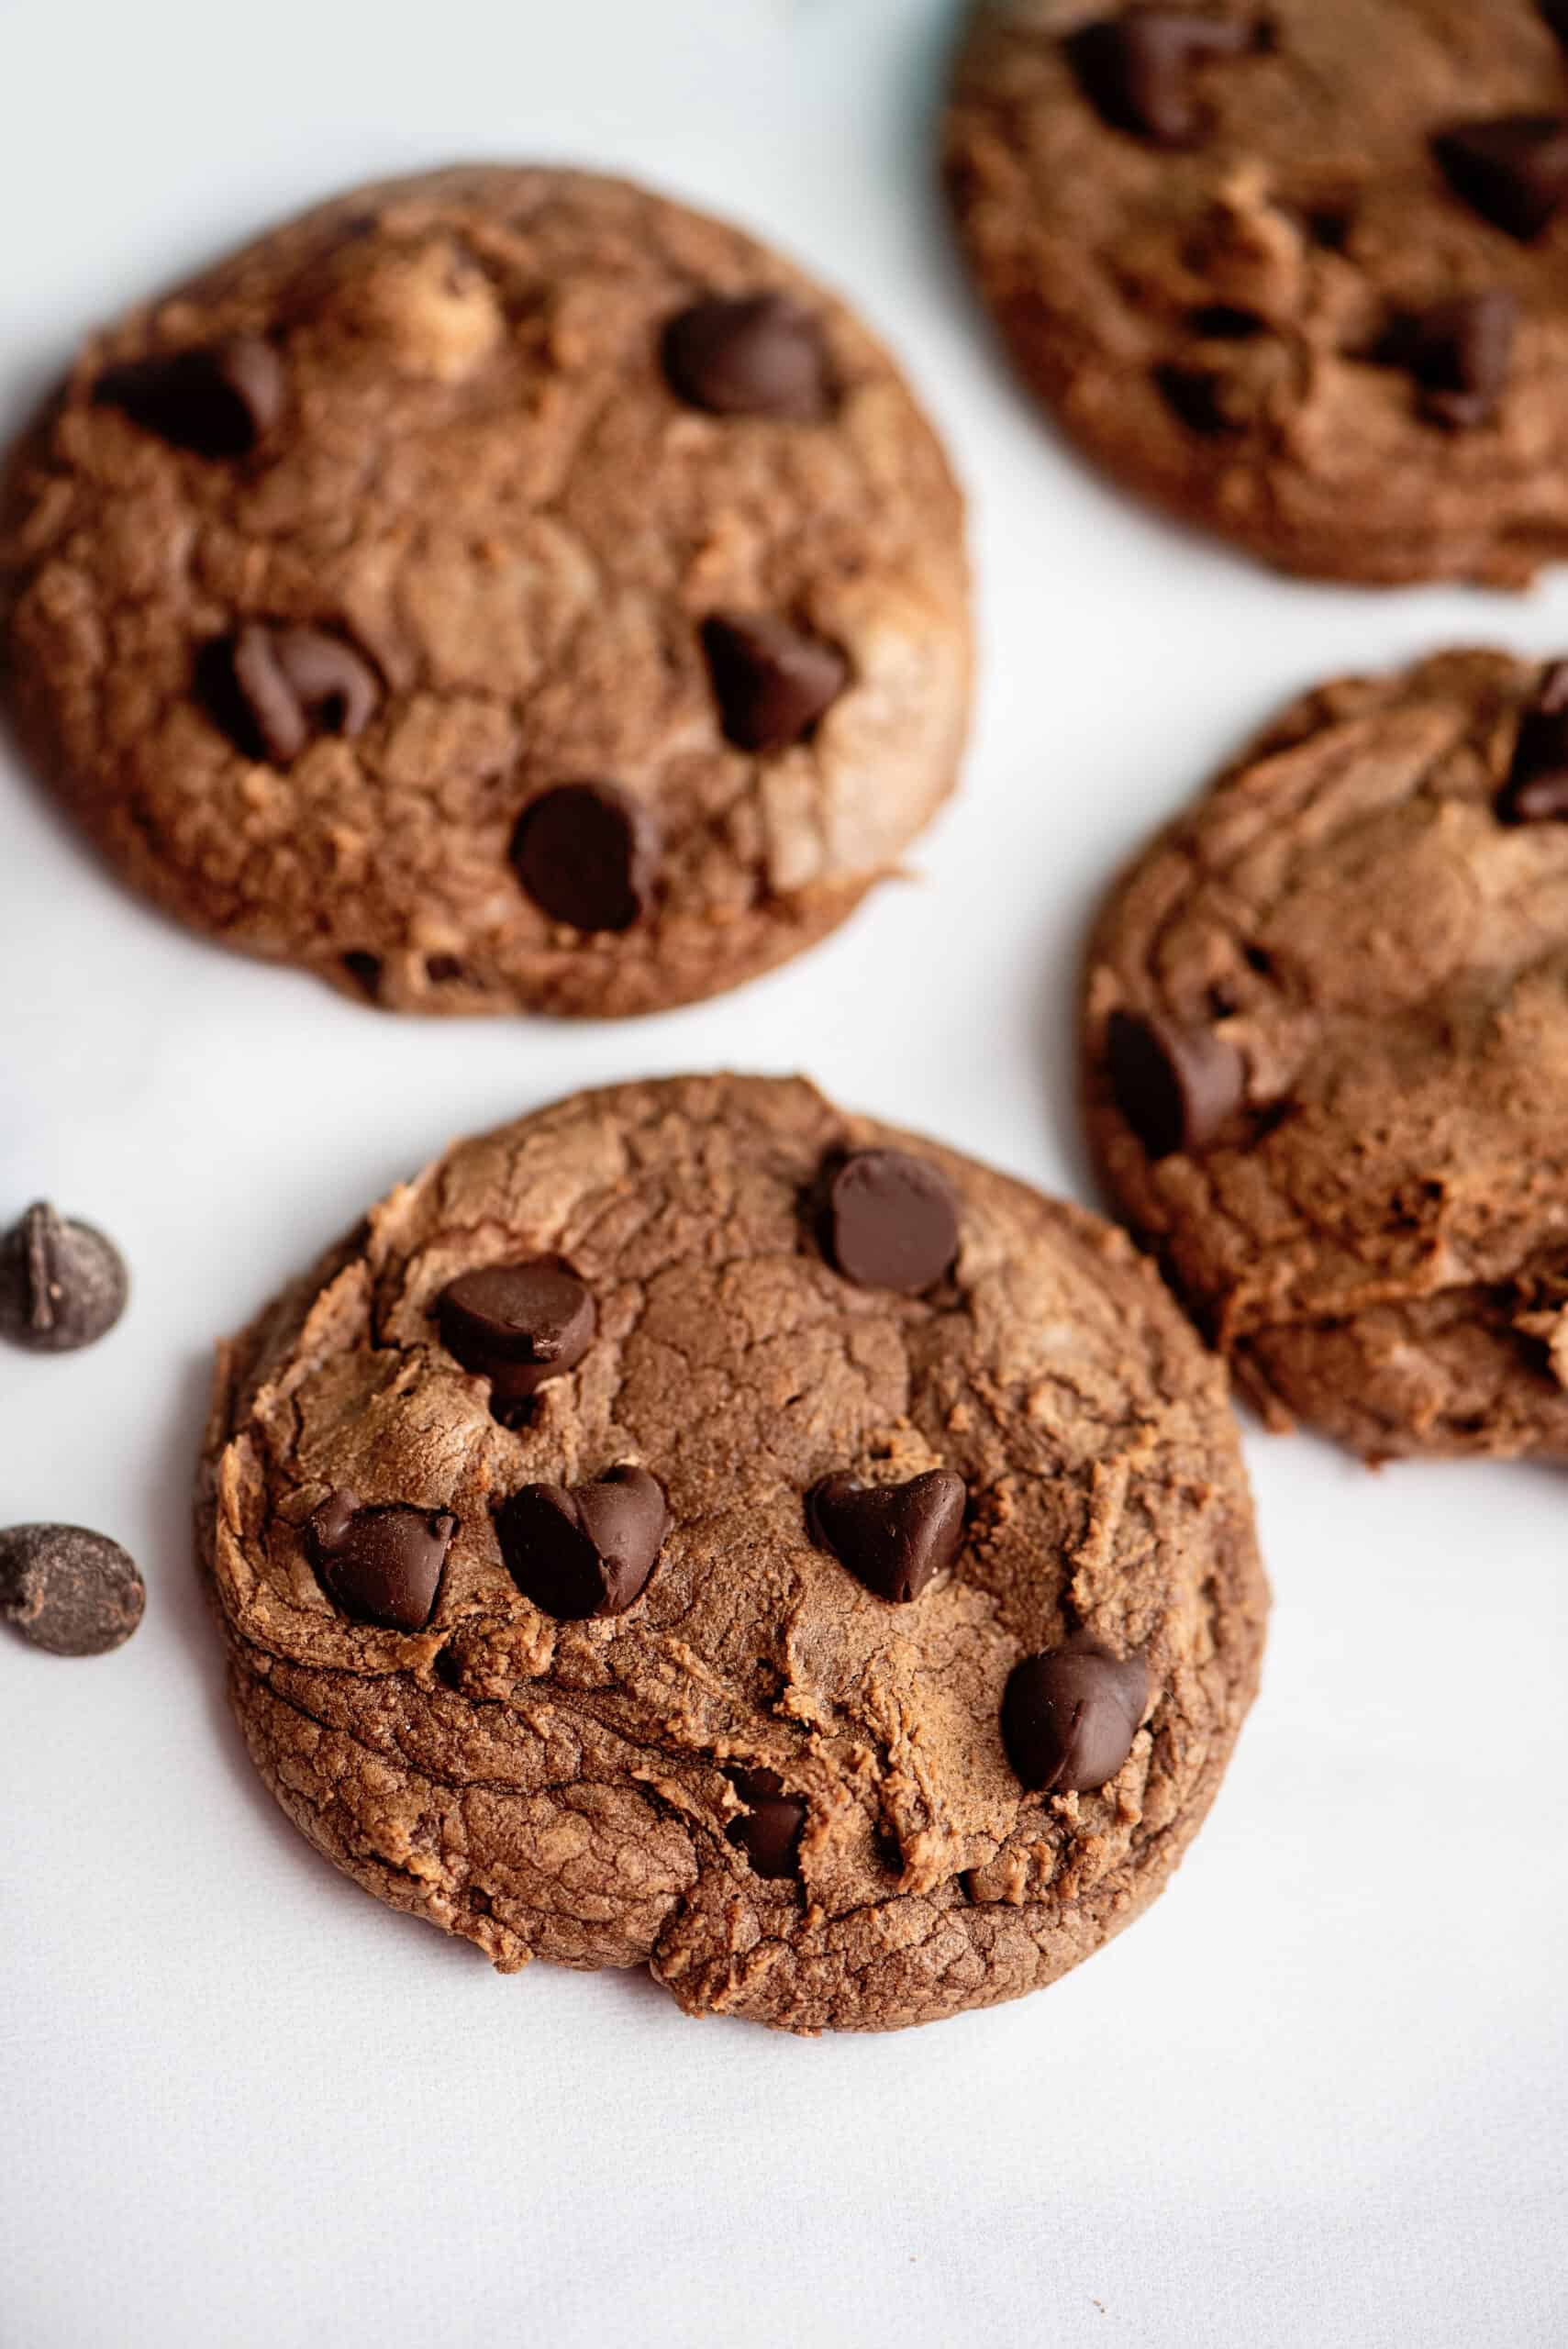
1293	268
1327	1059
775	1771
497	588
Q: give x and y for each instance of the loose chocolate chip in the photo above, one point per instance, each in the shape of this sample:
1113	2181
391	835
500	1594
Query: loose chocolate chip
1174	1085
517	1325
588	1551
68	1590
1513	170
587	853
274	688
771	681
1069	1717
892	1221
1460	353
1137	70
217	401
763	355
895	1538
770	1832
1536	791
380	1563
62	1284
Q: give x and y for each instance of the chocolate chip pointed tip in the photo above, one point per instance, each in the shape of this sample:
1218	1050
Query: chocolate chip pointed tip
68	1590
380	1563
895	1539
1068	1716
217	400
1176	1086
773	683
892	1221
587	1550
63	1284
758	355
587	854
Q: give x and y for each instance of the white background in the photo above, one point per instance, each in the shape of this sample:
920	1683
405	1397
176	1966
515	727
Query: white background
1320	2093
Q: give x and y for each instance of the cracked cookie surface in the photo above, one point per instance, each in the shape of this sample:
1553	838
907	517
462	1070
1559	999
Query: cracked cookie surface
1244	272
1359	941
466	525
786	1795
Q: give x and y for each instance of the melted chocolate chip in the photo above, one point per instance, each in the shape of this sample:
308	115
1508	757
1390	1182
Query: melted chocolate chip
1513	170
770	1832
895	1538
587	1552
1176	1086
892	1221
587	853
1536	791
380	1564
772	682
217	401
275	690
1138	71
762	355
67	1590
1460	353
517	1325
62	1284
1069	1717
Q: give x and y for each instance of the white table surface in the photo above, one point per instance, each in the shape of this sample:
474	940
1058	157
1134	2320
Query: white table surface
1320	2094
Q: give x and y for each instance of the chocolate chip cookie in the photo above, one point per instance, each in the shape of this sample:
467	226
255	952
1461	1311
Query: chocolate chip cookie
1293	270
500	588
1327	1059
695	1528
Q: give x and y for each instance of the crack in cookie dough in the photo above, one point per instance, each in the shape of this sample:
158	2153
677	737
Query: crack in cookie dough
481	483
1377	1232
1264	301
571	1789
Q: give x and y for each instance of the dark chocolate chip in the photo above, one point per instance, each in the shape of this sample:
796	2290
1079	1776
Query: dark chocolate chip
1175	1085
273	689
364	969
895	1538
587	853
517	1325
770	1832
1196	394
443	970
380	1563
217	401
1460	353
892	1221
771	681
1556	15
1138	70
1069	1717
68	1590
1222	322
762	355
1512	170
1536	791
62	1284
587	1552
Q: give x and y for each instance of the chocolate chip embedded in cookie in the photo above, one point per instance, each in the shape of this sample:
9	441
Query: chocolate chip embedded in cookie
1327	1059
728	1650
498	589
1210	236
